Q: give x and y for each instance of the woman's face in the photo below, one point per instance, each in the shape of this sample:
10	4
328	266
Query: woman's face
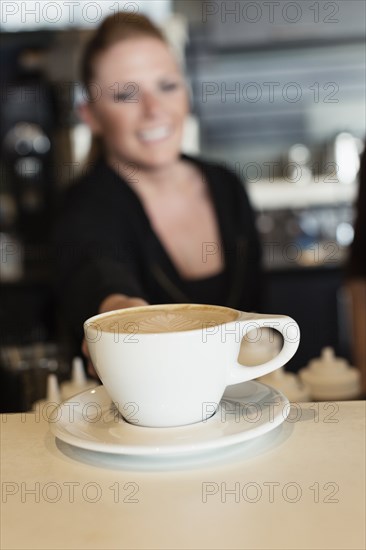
139	103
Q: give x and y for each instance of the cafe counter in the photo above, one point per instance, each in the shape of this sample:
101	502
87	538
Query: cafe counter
300	486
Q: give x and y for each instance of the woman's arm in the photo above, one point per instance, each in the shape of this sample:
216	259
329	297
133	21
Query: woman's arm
357	293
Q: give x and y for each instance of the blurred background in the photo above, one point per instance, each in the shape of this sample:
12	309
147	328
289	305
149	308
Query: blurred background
278	95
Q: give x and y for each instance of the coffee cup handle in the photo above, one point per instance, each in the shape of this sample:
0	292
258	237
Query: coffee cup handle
291	338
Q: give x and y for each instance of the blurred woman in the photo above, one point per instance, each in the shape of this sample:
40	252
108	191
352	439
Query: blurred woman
147	224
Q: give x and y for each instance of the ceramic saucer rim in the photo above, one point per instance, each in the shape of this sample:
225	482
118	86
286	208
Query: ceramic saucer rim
154	451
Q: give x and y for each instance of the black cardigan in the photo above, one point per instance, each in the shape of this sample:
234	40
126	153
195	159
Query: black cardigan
356	267
105	244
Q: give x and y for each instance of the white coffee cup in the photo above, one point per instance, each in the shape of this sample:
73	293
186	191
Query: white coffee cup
168	365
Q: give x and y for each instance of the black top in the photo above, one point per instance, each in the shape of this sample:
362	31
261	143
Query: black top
105	244
357	262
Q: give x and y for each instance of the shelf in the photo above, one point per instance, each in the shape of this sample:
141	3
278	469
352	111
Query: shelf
280	194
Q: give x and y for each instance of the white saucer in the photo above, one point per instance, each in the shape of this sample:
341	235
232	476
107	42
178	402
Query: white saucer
90	421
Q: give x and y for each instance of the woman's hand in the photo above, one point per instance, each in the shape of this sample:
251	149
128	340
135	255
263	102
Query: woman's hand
120	301
110	303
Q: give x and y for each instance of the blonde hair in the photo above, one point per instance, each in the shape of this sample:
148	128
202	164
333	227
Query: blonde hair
115	28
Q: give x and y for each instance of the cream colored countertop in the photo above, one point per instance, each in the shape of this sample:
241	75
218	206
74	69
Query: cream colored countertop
301	486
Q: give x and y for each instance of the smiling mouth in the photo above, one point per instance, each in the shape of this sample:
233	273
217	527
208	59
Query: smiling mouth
155	134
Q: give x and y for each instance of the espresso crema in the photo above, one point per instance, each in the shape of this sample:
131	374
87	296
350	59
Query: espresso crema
170	318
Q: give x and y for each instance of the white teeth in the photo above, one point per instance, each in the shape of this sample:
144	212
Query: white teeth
155	134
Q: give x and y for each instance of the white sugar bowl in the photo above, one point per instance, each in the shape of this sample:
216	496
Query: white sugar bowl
331	378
